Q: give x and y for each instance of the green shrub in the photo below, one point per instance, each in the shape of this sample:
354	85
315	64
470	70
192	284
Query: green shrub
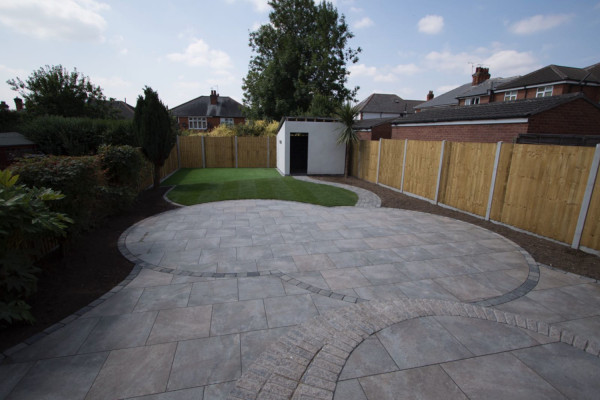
122	167
25	221
78	178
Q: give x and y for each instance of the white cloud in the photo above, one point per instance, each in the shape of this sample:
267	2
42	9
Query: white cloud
363	23
199	54
445	88
259	5
55	19
406	69
389	77
431	24
356	9
539	23
362	70
383	74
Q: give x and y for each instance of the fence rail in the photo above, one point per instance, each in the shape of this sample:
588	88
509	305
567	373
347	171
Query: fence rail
551	191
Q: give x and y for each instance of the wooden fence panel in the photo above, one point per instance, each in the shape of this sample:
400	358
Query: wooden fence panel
545	189
354	156
421	169
220	152
502	174
390	163
190	149
252	152
171	165
272	151
368	160
590	237
467	176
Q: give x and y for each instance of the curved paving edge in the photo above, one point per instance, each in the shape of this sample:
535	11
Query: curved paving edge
366	198
307	361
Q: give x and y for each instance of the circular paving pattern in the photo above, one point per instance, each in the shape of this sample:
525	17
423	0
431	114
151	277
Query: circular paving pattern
348	253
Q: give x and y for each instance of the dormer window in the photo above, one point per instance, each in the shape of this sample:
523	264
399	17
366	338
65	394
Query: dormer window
469	101
544	91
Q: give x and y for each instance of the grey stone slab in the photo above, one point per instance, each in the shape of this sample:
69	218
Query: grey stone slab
466	288
252	253
345	278
267	239
383	274
255	342
205	361
222	232
260	287
382	256
349	259
484	337
287	249
196	393
289	310
164	297
159	235
147	278
425	289
529	308
324	303
204	243
134	372
369	358
60	378
326	235
236	241
424	269
381	292
168	245
313	278
297	237
413	253
237	266
119	332
313	262
11	375
181	324
174	258
572	371
190	234
584	327
351	244
122	302
63	342
219	391
550	279
569	305
320	247
241	316
499	245
349	390
384	242
486	263
419	383
216	255
419	342
498	280
213	292
283	264
499	376
211	267
588	293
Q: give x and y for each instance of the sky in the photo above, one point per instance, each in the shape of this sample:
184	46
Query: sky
184	49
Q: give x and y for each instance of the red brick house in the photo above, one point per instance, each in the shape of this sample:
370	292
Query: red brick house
567	114
205	113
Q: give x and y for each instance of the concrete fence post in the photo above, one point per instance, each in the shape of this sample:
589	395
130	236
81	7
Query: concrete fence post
378	162
493	183
585	203
203	152
403	166
439	177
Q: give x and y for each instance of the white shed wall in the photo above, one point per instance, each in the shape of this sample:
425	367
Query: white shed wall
283	150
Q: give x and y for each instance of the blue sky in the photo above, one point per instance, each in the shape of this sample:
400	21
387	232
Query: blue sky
183	49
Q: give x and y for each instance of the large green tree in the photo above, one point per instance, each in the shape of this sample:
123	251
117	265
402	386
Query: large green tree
53	90
155	130
299	61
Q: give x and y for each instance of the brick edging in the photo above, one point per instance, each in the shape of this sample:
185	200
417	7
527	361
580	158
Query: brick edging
306	362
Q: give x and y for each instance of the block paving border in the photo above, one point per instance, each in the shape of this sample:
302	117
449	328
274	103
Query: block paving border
306	363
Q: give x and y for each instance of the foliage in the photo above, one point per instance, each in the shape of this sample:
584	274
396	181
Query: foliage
347	115
121	166
250	128
25	220
299	61
52	90
76	136
155	129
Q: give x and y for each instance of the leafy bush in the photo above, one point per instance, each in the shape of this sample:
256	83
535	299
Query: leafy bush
122	167
250	128
25	221
76	136
78	178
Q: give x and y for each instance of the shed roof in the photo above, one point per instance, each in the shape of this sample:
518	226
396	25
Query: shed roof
8	139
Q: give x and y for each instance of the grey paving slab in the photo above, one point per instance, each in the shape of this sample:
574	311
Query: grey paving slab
419	383
122	302
565	303
260	287
196	393
283	264
134	372
550	279
255	342
349	390
147	278
499	376
577	377
586	327
60	378
218	391
164	297
466	288
181	324
381	292
240	316
219	358
251	253
345	278
11	375
382	274
369	358
289	310
237	266
213	292
425	289
119	332
532	309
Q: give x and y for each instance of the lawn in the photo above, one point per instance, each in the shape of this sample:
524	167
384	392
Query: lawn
194	186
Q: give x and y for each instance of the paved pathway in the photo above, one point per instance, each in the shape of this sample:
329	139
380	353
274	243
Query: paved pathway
256	299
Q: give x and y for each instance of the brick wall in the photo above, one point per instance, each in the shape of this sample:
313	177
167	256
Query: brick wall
576	117
383	131
489	133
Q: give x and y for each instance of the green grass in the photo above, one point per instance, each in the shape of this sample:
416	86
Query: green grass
195	186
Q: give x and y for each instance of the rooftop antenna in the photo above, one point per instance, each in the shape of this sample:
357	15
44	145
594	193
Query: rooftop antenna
471	64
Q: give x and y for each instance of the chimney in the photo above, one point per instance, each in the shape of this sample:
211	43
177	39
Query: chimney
19	103
3	106
481	75
213	97
430	95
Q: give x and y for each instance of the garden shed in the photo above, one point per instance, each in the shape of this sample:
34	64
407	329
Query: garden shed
309	146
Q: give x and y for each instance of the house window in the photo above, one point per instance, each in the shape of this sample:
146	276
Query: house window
197	123
227	121
469	101
510	96
544	91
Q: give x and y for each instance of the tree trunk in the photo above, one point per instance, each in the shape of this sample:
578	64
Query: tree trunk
347	166
156	176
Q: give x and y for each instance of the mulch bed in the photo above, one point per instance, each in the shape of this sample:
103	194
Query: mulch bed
93	264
